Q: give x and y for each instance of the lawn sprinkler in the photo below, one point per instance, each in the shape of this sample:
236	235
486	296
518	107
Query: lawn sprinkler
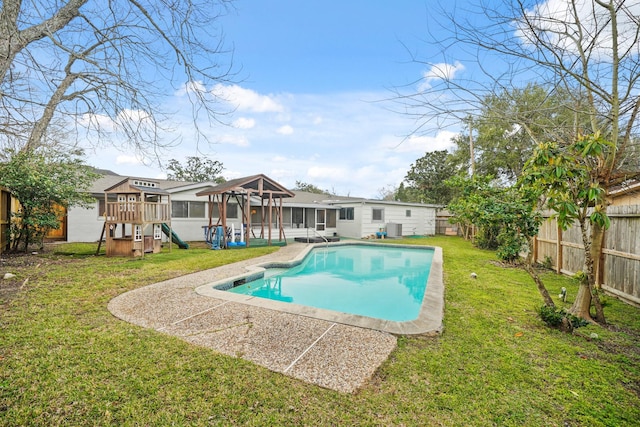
563	294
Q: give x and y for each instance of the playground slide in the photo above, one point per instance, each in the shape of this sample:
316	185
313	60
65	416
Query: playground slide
174	237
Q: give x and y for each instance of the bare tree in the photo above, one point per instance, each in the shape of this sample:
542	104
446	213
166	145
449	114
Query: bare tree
103	68
587	50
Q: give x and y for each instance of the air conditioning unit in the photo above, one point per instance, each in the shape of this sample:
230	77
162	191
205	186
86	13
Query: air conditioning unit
394	230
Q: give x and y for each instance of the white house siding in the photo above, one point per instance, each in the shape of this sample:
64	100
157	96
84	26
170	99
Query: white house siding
421	222
351	228
190	229
84	225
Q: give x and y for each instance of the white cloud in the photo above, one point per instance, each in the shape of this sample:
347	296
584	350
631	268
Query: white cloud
247	99
556	18
124	159
125	118
441	71
421	144
350	146
285	130
244	123
97	121
192	86
282	173
237	140
129	117
332	173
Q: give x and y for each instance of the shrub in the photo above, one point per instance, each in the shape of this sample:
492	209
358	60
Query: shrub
510	246
560	318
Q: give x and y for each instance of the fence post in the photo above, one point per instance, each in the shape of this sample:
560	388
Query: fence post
600	262
559	260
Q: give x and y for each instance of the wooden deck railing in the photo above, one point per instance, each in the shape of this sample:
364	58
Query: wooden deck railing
138	212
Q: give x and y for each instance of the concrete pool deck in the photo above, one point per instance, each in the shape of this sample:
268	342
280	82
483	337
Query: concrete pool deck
321	350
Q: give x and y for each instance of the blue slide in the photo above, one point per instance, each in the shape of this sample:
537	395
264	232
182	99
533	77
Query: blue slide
174	237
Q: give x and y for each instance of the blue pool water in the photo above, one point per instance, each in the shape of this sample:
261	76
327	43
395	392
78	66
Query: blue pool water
380	281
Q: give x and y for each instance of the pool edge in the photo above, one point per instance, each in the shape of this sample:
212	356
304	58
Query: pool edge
429	321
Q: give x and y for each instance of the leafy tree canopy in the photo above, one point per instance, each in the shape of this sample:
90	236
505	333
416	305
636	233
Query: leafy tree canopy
197	169
426	180
309	188
40	180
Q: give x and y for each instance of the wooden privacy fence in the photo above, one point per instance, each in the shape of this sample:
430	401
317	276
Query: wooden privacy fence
618	270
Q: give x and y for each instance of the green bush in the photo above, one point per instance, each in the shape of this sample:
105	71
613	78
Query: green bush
554	317
487	237
510	246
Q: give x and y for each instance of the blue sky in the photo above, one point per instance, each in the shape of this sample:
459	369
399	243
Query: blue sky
311	75
308	102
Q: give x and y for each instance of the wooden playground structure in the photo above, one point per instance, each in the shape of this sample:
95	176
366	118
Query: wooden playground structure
222	234
137	213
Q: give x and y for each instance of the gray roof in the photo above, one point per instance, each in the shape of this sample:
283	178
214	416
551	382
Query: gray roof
109	179
259	185
306	197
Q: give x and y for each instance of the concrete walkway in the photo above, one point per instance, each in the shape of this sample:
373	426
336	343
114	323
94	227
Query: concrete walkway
321	352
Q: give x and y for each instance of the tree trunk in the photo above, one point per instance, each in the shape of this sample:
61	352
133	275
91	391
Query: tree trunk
582	304
14	39
597	237
587	292
528	266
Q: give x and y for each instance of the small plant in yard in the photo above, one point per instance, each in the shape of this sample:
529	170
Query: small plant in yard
547	263
560	318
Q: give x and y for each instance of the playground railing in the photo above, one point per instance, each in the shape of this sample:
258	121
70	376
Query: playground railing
138	212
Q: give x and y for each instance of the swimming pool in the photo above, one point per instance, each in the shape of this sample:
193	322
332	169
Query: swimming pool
389	287
383	282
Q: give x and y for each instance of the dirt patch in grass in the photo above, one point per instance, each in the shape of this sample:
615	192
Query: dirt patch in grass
23	267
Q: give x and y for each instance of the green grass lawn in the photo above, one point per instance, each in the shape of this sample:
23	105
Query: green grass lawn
65	360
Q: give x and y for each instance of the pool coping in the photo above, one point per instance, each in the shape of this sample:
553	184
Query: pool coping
428	322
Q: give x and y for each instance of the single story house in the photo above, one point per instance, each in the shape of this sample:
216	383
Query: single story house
306	215
365	218
188	212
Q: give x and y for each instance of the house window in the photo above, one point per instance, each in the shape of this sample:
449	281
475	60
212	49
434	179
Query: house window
137	233
132	199
377	215
157	231
232	211
183	209
408	213
347	214
179	209
144	184
297	217
102	205
196	209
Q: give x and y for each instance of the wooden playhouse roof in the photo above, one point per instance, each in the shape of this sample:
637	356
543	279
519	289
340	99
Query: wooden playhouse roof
135	186
254	185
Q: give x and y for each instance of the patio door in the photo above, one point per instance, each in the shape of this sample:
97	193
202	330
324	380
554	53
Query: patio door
321	215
